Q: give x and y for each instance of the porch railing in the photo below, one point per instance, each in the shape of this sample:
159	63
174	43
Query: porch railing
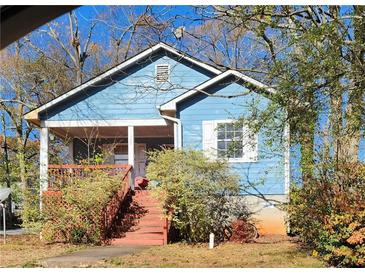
60	175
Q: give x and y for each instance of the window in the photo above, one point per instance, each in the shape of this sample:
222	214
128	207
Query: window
162	73
121	154
229	140
225	139
121	149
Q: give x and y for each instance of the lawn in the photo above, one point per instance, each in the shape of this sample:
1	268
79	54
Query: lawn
27	250
273	251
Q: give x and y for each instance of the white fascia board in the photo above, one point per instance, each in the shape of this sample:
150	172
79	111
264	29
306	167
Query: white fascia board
123	65
105	123
191	60
171	105
252	81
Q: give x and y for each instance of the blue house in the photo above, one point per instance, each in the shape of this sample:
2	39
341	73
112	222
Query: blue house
164	97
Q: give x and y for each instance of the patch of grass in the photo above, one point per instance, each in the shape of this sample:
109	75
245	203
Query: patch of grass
275	251
27	250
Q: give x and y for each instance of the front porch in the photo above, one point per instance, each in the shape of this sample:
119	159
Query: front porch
106	143
116	147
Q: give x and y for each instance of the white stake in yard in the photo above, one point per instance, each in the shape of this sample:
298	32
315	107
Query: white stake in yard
211	241
4	223
4	194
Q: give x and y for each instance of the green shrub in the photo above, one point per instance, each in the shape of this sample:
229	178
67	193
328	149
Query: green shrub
328	214
196	191
75	214
31	215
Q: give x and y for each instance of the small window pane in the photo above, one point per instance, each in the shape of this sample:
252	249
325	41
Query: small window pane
229	134
221	145
229	127
238	135
229	146
221	153
230	154
121	149
221	134
238	153
238	128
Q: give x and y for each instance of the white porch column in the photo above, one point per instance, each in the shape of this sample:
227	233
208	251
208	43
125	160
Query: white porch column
180	136
131	152
43	159
176	136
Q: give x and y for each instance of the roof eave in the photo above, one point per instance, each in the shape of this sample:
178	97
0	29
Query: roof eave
123	65
171	105
33	118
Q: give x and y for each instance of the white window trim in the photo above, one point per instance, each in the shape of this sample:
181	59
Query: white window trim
168	73
235	160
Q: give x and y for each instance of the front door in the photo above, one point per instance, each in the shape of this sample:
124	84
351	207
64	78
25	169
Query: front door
140	160
121	157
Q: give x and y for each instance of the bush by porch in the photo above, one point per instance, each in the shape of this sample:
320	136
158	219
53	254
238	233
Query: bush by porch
82	211
197	193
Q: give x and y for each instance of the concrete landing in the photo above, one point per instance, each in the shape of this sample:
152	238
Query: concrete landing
83	258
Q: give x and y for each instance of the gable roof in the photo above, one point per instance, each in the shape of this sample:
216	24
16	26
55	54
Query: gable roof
33	115
171	105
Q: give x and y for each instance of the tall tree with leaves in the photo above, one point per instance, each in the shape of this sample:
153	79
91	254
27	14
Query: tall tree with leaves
314	58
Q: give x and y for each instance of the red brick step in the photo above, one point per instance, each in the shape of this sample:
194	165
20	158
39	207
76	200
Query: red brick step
148	228
125	241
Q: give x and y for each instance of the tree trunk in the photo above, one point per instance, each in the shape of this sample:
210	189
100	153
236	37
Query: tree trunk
355	105
22	165
335	120
6	154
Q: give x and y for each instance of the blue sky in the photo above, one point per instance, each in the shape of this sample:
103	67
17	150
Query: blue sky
182	15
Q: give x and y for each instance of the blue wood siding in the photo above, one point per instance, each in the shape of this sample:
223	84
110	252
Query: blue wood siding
133	94
267	174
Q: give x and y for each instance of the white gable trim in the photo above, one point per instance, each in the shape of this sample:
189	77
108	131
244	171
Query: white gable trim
105	123
171	105
33	115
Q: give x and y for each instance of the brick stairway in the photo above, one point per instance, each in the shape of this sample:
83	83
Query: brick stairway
147	226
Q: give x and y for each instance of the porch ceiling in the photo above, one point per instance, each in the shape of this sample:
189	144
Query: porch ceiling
106	132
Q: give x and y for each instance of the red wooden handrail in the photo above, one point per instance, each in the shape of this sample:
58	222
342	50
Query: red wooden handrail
112	209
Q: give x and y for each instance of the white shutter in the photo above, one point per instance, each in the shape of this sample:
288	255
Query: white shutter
209	139
250	145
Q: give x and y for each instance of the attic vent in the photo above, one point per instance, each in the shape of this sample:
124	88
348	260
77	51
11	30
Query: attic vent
162	73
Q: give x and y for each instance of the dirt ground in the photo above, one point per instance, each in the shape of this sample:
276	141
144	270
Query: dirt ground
27	250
